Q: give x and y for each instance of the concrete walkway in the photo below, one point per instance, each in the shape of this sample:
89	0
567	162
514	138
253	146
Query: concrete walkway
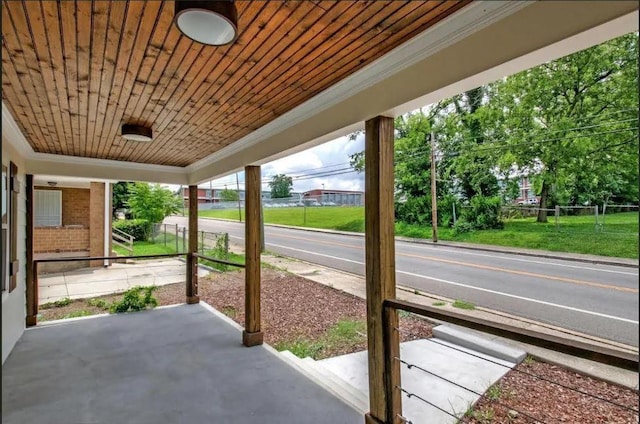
117	278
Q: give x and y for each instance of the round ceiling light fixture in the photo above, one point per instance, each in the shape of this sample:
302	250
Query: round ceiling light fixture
136	132
213	22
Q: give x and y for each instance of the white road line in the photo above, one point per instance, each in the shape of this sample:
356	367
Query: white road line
471	287
520	297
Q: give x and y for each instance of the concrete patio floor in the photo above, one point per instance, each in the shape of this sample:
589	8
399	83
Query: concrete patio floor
181	364
119	277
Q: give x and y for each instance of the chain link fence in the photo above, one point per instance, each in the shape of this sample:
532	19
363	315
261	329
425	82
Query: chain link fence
575	219
176	238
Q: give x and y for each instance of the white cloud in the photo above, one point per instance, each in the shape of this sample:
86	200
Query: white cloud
312	168
326	165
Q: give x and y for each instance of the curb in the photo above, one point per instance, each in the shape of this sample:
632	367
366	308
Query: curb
600	260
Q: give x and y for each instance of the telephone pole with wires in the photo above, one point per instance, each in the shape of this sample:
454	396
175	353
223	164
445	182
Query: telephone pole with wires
434	201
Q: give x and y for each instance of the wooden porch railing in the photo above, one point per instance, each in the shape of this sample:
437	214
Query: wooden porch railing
604	355
123	240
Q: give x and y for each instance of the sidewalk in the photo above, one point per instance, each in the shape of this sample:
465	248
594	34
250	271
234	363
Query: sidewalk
119	277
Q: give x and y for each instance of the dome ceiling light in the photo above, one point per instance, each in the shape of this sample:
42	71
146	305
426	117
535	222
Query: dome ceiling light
213	22
136	132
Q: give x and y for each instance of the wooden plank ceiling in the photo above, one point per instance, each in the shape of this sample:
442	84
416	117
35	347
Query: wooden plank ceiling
74	72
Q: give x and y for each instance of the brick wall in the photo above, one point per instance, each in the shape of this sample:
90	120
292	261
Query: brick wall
60	239
75	206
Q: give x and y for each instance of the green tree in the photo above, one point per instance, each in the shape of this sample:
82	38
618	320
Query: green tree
120	197
229	195
152	202
281	186
573	121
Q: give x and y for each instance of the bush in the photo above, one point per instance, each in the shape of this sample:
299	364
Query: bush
140	229
135	299
445	210
415	210
462	226
483	213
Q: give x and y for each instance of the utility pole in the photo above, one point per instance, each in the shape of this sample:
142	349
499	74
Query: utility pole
238	190
182	198
434	201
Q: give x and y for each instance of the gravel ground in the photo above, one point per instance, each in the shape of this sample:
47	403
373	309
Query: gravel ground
293	308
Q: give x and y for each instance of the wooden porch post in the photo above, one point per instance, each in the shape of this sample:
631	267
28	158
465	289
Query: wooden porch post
385	401
31	277
252	335
192	262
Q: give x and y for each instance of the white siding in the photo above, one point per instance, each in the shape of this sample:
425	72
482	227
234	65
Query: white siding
14	303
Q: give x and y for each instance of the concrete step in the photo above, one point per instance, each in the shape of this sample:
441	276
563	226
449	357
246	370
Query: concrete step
479	342
329	381
352	395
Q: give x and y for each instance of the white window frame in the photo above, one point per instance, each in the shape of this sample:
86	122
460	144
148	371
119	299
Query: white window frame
37	197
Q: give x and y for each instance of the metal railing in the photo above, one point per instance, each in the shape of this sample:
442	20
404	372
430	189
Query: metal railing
604	355
218	261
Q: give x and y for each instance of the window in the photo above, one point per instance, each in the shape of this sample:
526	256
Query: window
5	226
47	208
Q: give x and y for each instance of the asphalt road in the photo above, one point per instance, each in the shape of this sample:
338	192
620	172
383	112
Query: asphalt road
600	300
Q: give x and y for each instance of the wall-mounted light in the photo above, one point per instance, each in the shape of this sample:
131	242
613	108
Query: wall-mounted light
136	132
52	183
213	22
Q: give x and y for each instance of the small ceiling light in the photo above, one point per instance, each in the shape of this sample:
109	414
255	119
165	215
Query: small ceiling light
136	132
213	22
52	183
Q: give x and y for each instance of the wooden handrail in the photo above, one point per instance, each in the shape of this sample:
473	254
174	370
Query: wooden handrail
604	355
122	233
119	237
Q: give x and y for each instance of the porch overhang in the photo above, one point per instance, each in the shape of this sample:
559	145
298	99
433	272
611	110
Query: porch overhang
479	43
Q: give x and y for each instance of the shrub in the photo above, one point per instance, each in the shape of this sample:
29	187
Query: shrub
483	213
140	229
462	227
135	299
415	210
57	304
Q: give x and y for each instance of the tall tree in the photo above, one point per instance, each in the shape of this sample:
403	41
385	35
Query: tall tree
229	195
281	186
120	197
466	128
573	121
152	202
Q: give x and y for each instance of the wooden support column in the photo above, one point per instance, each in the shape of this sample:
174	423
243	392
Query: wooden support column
31	274
252	335
192	262
385	401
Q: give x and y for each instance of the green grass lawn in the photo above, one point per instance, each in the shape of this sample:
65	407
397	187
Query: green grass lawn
146	248
575	234
334	218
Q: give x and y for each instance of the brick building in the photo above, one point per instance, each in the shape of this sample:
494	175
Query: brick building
72	217
339	197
